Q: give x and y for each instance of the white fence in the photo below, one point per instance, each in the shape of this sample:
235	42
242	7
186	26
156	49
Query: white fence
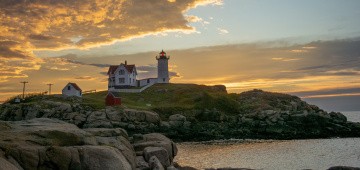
131	90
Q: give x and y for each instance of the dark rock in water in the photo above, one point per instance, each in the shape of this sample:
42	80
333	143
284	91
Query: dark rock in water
344	168
229	169
176	165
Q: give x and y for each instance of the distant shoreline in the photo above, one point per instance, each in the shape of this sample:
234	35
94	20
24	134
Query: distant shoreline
252	141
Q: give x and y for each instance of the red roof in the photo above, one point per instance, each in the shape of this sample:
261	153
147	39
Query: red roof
162	53
129	68
75	86
112	69
115	94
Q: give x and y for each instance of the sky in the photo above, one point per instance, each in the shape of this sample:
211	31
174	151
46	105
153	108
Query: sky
309	48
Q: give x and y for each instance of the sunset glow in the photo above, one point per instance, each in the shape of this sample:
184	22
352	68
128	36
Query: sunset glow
243	45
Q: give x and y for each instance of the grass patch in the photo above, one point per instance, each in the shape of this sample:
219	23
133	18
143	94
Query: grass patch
158	96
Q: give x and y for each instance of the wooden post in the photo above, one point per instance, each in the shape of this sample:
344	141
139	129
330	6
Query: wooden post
49	87
24	82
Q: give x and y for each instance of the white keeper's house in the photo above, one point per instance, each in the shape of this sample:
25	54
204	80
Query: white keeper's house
124	76
72	89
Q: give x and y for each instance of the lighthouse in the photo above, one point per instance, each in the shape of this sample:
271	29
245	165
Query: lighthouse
163	67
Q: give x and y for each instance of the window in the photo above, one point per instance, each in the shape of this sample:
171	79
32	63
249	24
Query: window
148	81
129	80
163	79
122	72
69	87
122	80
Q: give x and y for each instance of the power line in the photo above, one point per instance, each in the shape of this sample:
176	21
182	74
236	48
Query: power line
49	87
24	82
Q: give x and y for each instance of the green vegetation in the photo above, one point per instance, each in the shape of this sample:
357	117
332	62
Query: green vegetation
168	99
196	102
28	97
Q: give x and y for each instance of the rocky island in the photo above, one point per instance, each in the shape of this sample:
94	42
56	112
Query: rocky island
52	132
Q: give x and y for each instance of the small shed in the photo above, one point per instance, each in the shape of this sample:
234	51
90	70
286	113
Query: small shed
72	89
113	99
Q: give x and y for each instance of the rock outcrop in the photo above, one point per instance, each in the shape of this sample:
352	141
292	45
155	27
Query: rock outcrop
253	114
154	144
43	143
82	116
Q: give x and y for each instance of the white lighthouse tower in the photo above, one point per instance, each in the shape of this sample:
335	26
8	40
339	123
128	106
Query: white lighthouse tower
163	68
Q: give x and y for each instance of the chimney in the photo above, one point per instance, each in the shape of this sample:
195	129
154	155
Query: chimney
125	62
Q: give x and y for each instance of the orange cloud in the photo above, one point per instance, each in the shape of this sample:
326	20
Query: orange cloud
299	51
28	26
285	59
332	95
85	78
309	47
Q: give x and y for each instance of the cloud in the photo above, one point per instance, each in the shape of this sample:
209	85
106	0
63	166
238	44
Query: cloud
28	26
344	72
329	93
309	47
285	59
326	65
150	71
222	31
71	61
299	51
85	78
192	18
95	21
57	68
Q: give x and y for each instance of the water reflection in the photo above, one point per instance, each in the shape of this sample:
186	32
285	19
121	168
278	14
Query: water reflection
295	154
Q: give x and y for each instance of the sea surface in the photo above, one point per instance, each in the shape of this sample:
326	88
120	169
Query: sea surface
353	116
276	154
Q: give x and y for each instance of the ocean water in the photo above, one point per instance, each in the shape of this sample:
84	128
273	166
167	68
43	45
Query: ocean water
353	116
277	155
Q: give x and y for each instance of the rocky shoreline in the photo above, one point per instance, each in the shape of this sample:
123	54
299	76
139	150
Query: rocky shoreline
65	133
300	122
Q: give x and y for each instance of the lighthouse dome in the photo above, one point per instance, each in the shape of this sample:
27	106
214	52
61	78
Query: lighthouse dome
162	55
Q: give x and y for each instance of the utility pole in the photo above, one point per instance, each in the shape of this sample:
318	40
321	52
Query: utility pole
24	82
49	87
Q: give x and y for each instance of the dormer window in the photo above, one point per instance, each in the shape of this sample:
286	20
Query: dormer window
69	87
122	72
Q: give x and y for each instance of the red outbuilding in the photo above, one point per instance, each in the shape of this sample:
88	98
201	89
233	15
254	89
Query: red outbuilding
113	99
